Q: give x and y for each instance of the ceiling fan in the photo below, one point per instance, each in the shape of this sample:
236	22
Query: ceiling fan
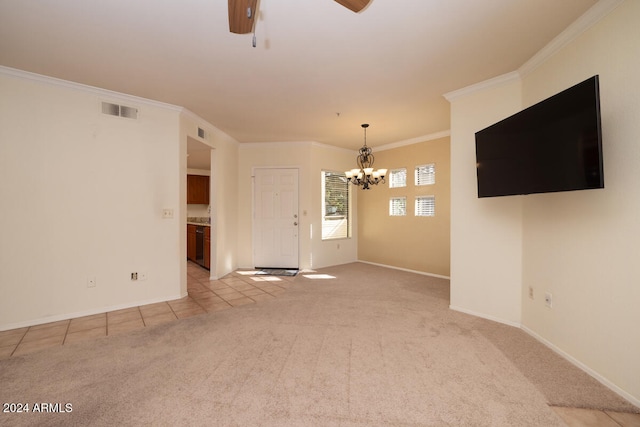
242	12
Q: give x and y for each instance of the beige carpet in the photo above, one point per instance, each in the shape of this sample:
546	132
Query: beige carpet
371	347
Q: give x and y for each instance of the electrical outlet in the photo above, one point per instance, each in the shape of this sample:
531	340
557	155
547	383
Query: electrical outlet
142	276
530	292
548	299
134	276
167	213
91	282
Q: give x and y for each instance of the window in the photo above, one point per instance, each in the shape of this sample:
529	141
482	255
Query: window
398	178
425	206
398	206
425	174
335	206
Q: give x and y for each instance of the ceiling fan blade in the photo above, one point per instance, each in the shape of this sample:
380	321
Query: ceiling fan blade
355	5
241	22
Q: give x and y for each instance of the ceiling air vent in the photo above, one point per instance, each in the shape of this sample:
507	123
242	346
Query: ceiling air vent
201	133
119	110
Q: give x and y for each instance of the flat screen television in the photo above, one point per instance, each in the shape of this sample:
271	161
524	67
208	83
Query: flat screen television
554	145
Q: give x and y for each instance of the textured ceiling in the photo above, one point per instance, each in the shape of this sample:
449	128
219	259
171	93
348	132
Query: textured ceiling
317	72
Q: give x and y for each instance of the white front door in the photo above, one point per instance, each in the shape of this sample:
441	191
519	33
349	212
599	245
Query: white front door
275	219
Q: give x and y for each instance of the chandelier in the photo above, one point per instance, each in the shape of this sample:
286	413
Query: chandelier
365	175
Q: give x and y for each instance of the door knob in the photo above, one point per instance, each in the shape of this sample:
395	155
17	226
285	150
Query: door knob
295	223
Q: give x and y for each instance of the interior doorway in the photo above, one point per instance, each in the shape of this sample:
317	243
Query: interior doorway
201	213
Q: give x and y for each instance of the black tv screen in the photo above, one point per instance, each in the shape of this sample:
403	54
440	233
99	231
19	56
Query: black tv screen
554	145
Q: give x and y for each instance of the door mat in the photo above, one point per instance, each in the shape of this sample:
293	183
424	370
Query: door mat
276	272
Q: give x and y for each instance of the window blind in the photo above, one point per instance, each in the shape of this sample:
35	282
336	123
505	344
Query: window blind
398	178
335	206
398	206
425	206
425	174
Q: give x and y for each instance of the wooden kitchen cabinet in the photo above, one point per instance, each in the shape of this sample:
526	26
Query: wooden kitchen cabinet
197	190
191	242
207	247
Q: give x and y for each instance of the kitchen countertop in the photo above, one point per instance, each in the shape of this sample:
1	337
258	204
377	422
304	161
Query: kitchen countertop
199	220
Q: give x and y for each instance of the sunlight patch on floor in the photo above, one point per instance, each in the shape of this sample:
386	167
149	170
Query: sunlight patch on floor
318	276
247	272
267	279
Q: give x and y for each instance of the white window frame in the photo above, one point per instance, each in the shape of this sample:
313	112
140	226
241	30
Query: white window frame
425	211
394	209
425	174
336	217
395	178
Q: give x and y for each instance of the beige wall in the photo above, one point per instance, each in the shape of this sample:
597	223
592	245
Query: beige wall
339	251
309	158
82	196
409	242
486	234
224	196
268	155
580	246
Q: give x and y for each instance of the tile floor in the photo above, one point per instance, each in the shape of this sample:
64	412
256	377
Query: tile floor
235	289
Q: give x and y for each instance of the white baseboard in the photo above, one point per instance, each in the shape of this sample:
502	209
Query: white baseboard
558	351
406	269
485	316
584	368
67	316
633	400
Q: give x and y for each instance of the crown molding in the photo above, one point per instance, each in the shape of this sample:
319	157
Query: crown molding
275	144
195	118
496	81
390	146
105	93
416	140
591	17
332	147
208	127
112	95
